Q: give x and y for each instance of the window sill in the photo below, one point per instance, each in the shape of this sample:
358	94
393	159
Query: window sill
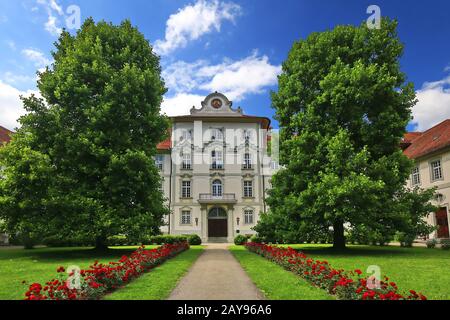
248	198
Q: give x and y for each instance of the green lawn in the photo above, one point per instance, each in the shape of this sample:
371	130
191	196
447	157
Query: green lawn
39	265
421	269
159	282
275	282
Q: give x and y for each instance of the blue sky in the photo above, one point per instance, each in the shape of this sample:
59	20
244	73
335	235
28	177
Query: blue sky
235	47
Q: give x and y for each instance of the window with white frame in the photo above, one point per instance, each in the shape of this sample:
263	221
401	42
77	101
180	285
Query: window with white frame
248	216
216	134
415	176
217	188
247	161
185	135
186	163
248	188
247	135
436	170
216	159
186	217
159	161
186	189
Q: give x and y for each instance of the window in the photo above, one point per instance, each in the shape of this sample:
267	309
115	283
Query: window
216	159
217	188
247	161
415	176
186	217
436	170
185	135
248	216
161	186
159	161
248	189
186	161
186	189
216	134
247	135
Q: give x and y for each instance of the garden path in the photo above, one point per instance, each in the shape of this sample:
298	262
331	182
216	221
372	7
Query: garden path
216	275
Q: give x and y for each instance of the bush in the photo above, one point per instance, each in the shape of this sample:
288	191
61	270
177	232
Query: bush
406	240
165	239
240	239
445	244
194	239
75	241
256	239
431	243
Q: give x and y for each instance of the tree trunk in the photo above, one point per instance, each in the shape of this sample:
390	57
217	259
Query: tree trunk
338	235
100	243
27	240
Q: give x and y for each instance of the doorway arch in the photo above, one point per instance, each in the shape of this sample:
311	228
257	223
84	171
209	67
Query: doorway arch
217	223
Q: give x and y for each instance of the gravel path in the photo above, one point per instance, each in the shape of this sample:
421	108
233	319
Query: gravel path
216	275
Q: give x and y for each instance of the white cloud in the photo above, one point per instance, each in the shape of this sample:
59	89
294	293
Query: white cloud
181	103
433	104
11	105
193	21
243	77
14	79
236	79
53	9
37	57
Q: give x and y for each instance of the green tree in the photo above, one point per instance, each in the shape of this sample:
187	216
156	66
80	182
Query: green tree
82	161
343	105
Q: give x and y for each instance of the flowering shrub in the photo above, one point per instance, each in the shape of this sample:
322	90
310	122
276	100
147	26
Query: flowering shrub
344	284
100	278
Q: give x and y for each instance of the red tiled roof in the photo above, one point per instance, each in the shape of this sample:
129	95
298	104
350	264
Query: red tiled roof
5	135
434	139
165	145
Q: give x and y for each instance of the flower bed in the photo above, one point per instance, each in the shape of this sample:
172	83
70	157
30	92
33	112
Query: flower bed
346	285
100	279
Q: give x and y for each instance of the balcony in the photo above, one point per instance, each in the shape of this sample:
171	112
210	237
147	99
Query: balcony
210	198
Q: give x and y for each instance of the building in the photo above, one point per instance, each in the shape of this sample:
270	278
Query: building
5	137
431	152
215	171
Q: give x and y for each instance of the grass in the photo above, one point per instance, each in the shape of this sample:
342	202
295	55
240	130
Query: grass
159	282
421	269
275	282
39	265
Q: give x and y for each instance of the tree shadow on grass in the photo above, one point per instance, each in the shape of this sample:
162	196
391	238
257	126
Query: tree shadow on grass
62	254
361	251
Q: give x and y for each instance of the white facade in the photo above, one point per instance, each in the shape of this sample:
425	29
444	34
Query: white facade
216	171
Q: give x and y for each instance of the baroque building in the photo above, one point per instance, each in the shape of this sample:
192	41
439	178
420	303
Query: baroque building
215	170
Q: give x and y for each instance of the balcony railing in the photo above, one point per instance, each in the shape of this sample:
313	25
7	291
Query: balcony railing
209	197
247	166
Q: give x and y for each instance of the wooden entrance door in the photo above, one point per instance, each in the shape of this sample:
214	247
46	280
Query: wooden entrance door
217	223
442	223
217	228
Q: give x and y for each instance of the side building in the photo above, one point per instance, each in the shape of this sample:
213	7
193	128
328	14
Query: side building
430	151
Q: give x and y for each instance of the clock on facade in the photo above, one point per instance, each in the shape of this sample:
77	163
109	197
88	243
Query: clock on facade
216	103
